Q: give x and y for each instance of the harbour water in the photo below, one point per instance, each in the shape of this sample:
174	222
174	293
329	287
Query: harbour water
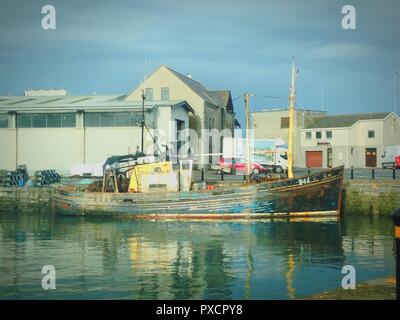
128	259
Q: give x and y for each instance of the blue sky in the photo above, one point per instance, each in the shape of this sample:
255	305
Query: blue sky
100	46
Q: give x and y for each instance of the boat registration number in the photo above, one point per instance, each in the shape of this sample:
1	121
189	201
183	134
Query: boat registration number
304	181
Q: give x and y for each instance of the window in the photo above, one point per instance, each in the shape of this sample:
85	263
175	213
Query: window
46	120
164	93
116	119
92	120
284	122
24	121
135	119
53	121
39	121
3	121
371	133
122	119
308	135
68	120
107	119
149	94
329	134
318	134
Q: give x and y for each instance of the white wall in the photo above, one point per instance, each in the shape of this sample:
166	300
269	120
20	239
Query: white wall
101	143
7	149
58	148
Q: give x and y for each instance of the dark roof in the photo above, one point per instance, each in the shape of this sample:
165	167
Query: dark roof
220	98
344	120
197	87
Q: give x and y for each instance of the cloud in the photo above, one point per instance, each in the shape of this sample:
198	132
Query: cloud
341	50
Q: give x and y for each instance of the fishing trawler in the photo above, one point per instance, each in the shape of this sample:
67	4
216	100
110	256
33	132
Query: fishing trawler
143	187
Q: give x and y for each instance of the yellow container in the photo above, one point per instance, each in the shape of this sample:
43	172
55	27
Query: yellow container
140	170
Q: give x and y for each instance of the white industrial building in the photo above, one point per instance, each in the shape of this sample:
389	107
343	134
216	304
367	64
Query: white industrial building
56	132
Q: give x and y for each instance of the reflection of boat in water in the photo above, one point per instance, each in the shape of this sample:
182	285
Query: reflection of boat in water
157	191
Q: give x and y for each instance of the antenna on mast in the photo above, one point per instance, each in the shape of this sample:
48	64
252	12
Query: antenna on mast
291	121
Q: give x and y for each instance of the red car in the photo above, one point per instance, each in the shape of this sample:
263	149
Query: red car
240	166
397	162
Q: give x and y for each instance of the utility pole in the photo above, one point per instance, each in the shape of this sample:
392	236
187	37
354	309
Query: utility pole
395	92
143	98
291	124
246	99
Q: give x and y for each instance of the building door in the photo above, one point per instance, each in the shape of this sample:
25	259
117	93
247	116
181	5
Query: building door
329	158
370	157
314	159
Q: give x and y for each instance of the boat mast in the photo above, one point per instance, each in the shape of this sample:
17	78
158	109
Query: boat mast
143	98
246	99
291	123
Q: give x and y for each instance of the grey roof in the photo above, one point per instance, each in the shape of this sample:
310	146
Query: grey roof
216	97
74	103
344	120
197	87
221	97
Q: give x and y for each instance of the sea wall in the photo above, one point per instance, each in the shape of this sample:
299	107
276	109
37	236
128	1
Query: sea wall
31	199
364	196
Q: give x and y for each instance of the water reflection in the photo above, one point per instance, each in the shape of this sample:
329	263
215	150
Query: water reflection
102	258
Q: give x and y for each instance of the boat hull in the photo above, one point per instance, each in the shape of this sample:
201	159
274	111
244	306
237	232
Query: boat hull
308	196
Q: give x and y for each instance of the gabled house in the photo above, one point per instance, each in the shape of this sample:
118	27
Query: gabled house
213	109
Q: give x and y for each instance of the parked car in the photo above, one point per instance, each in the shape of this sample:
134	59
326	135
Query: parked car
393	164
239	165
391	157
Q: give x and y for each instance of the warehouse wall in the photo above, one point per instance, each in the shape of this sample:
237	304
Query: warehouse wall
46	148
104	142
7	149
58	148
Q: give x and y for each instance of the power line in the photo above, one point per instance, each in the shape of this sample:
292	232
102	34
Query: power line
268	97
238	97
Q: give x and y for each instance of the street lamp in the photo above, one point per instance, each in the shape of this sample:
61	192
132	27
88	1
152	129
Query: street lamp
395	92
